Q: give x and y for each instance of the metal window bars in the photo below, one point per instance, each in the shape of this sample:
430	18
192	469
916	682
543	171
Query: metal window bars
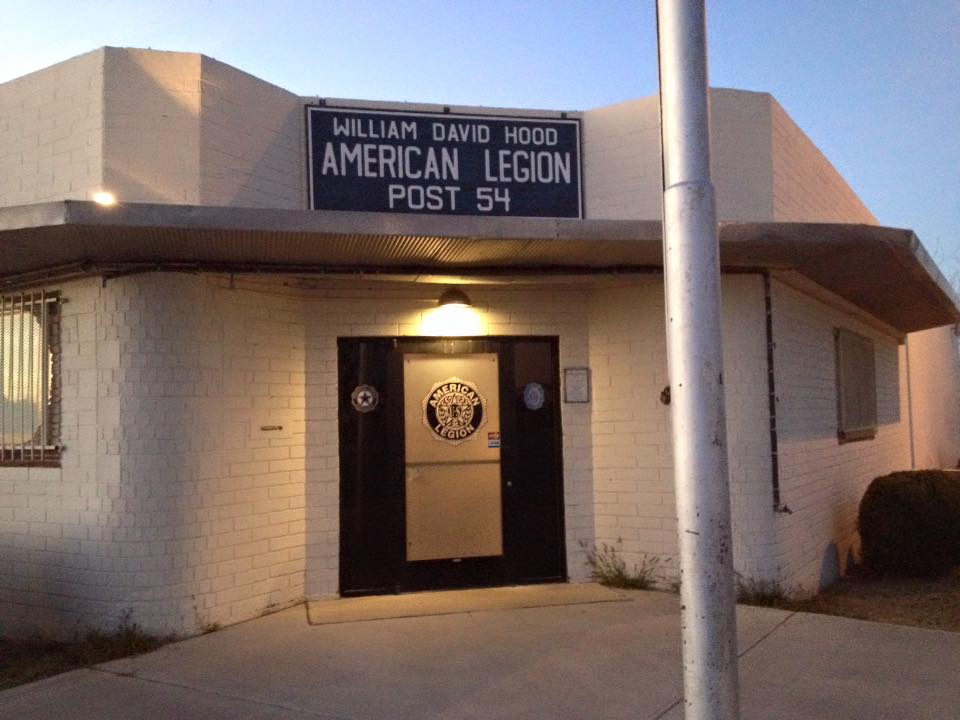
28	388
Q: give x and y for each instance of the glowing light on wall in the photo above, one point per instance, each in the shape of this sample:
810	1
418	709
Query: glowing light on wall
454	316
452	320
105	198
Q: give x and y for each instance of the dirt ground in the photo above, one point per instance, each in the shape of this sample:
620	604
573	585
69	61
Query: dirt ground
922	602
26	660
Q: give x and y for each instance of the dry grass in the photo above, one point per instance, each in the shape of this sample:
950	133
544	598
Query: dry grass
608	568
23	661
921	602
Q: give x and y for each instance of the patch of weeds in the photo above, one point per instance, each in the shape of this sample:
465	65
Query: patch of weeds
128	639
608	568
762	593
26	660
210	627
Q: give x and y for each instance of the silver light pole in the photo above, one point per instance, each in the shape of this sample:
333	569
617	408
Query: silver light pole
695	359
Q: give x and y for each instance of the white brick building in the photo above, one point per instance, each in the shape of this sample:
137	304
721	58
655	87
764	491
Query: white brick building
192	455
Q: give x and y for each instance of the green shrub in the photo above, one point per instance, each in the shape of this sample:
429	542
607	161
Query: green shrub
910	523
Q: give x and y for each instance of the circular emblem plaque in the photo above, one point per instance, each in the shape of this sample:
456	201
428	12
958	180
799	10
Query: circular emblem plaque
533	396
365	398
454	410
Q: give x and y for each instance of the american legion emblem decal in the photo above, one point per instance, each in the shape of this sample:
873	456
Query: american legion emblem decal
453	411
364	398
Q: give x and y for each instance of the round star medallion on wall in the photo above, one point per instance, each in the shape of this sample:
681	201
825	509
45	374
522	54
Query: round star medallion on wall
364	398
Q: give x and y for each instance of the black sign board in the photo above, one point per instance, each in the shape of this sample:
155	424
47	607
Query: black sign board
443	163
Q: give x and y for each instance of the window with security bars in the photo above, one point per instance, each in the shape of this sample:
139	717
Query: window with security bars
29	371
856	386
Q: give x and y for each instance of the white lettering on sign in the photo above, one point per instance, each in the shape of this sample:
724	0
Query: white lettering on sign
453	410
460	132
486	197
430	162
390	161
374	128
462	388
422	197
526	166
523	135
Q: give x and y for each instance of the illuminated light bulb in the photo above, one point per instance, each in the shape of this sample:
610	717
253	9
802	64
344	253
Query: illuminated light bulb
105	198
452	321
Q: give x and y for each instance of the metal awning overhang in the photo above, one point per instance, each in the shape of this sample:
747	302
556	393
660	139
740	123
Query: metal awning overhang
883	271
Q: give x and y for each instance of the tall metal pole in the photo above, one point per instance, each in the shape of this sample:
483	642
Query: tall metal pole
695	359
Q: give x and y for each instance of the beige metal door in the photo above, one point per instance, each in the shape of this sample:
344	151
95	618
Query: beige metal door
452	456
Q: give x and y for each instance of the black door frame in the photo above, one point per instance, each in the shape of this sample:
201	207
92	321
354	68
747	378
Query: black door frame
372	526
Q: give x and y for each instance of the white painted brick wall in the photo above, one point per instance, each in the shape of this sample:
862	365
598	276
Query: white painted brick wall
51	132
56	573
202	371
171	503
621	161
806	186
621	158
633	475
151	106
935	397
252	141
740	148
821	479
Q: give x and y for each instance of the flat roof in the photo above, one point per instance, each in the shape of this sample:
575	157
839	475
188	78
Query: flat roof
884	271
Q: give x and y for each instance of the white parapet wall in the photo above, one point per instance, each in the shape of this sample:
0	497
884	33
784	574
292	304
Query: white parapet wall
51	132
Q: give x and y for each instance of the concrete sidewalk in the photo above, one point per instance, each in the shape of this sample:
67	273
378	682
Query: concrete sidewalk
603	660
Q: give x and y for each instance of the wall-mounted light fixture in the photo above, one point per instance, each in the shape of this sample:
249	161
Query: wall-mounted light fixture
454	296
454	315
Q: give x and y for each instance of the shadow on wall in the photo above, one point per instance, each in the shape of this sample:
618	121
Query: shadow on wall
172	444
807	394
840	553
829	566
186	129
252	141
322	469
52	594
151	126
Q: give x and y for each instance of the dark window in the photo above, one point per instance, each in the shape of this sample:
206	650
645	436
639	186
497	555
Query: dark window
29	372
856	386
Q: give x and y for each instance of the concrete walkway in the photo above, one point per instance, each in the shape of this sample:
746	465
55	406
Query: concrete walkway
601	660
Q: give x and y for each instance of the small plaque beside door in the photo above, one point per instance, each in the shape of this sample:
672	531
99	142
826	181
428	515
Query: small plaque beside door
576	385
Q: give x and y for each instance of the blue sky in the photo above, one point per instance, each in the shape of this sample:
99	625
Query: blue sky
874	83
